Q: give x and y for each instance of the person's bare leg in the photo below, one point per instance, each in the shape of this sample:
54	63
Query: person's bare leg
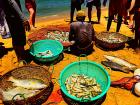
119	23
109	22
130	21
32	17
20	52
89	13
98	13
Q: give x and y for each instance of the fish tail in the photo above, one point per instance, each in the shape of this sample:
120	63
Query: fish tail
11	79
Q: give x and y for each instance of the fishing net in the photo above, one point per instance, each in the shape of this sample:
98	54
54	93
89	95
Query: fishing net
56	32
28	72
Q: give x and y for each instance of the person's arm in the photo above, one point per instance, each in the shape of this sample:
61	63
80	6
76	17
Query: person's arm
15	6
71	33
132	5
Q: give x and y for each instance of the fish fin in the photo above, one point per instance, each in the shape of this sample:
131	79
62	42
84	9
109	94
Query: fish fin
126	69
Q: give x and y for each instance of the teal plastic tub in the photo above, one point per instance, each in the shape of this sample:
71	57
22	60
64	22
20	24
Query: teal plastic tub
89	68
43	45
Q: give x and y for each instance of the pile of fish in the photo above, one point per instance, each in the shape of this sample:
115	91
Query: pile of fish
26	88
82	86
111	37
58	35
119	64
47	53
128	83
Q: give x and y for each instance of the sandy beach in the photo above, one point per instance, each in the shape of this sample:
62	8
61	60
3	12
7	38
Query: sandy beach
115	96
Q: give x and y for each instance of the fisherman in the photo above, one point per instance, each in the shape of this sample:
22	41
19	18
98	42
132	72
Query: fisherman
17	24
75	4
97	4
31	7
136	5
118	7
82	33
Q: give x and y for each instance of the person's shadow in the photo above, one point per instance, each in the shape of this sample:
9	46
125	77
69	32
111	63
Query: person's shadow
3	50
131	44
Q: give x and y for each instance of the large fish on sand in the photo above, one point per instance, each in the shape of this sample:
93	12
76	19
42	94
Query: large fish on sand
7	95
120	62
28	83
116	66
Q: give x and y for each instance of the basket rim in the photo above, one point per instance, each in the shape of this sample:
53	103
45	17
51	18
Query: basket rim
56	54
37	94
97	38
80	99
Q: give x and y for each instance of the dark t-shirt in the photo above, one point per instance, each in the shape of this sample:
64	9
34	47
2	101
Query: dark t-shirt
82	33
9	10
137	4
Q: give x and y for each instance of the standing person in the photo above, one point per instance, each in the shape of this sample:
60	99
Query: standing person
17	24
136	5
97	4
82	33
31	7
131	15
75	4
118	7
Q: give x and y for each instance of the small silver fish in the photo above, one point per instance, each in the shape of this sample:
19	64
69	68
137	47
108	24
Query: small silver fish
10	93
28	83
82	86
45	53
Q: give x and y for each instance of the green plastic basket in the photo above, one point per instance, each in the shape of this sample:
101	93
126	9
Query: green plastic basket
89	68
42	45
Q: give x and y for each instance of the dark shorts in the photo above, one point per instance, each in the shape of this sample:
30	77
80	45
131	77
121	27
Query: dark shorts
29	5
17	31
76	5
96	3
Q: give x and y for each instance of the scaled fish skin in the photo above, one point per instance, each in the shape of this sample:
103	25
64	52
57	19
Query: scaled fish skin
120	61
9	94
115	66
28	83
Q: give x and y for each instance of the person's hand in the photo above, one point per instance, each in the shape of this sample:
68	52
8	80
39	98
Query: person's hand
26	25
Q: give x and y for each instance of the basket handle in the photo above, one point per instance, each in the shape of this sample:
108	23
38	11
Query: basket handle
21	95
80	60
81	55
